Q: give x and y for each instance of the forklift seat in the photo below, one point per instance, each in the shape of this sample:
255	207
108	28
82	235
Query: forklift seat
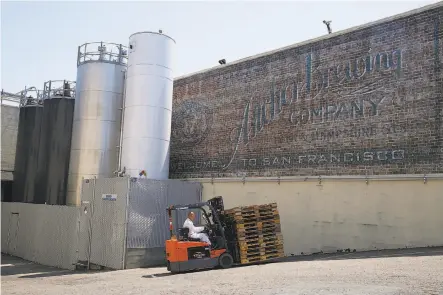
183	235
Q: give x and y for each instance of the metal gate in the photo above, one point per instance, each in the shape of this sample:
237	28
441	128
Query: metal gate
148	225
102	222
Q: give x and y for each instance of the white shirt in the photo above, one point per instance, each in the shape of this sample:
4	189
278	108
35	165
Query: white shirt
192	229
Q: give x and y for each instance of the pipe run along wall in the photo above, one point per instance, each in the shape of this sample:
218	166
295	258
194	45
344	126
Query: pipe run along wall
332	215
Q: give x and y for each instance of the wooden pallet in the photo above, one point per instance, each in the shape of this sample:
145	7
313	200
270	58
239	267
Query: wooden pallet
260	242
261	258
255	209
256	219
265	244
260	251
260	227
254	215
249	211
256	244
258	235
258	232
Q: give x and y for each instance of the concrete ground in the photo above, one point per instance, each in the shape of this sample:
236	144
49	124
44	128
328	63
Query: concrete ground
410	271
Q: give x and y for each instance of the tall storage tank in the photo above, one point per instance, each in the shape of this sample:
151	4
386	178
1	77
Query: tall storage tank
97	114
55	142
26	155
148	105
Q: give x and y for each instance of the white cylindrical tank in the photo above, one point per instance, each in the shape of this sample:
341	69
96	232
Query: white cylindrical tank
97	115
148	105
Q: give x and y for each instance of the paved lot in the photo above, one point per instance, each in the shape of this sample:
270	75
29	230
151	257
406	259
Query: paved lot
412	271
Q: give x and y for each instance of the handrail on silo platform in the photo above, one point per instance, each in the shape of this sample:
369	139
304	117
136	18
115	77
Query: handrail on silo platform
102	52
27	97
58	88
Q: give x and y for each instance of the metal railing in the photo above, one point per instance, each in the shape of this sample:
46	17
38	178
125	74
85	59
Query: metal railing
58	88
102	52
26	97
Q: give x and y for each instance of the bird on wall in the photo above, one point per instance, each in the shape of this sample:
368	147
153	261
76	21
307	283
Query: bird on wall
328	25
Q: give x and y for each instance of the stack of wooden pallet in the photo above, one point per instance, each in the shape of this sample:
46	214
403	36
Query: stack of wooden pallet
258	232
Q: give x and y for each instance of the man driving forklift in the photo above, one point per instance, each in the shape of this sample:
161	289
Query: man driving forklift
195	232
184	252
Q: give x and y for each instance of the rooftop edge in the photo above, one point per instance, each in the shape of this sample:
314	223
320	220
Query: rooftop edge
325	37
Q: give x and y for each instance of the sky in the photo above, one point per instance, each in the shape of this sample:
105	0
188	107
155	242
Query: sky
39	40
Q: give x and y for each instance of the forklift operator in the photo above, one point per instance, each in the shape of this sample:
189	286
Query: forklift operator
195	232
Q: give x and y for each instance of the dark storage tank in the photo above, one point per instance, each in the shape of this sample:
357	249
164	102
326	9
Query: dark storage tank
26	156
55	142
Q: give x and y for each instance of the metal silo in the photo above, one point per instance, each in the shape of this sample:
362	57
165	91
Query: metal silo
27	149
55	142
97	114
148	105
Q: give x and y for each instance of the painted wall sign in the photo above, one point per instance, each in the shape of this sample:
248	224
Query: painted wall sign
369	101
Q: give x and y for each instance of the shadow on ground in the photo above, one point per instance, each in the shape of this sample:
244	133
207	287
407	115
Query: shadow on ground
14	266
412	252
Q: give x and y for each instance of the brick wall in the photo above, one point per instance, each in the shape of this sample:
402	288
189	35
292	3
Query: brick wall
366	101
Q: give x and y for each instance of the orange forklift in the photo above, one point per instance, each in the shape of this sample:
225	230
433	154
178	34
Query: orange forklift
185	254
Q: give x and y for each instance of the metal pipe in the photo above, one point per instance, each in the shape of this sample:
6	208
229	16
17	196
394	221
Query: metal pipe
90	223
125	246
399	177
122	120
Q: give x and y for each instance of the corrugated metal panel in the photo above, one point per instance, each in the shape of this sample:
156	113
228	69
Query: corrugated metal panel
9	127
26	160
148	225
40	233
54	151
147	214
109	222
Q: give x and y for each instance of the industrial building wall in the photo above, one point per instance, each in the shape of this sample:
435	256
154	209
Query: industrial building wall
363	101
9	127
329	215
40	233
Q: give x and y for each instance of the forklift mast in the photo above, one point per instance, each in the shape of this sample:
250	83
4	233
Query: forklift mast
217	204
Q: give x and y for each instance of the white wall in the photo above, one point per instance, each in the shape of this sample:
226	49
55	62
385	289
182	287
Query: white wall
345	214
41	233
9	127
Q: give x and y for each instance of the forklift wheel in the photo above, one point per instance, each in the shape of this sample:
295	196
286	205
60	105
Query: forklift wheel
225	260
